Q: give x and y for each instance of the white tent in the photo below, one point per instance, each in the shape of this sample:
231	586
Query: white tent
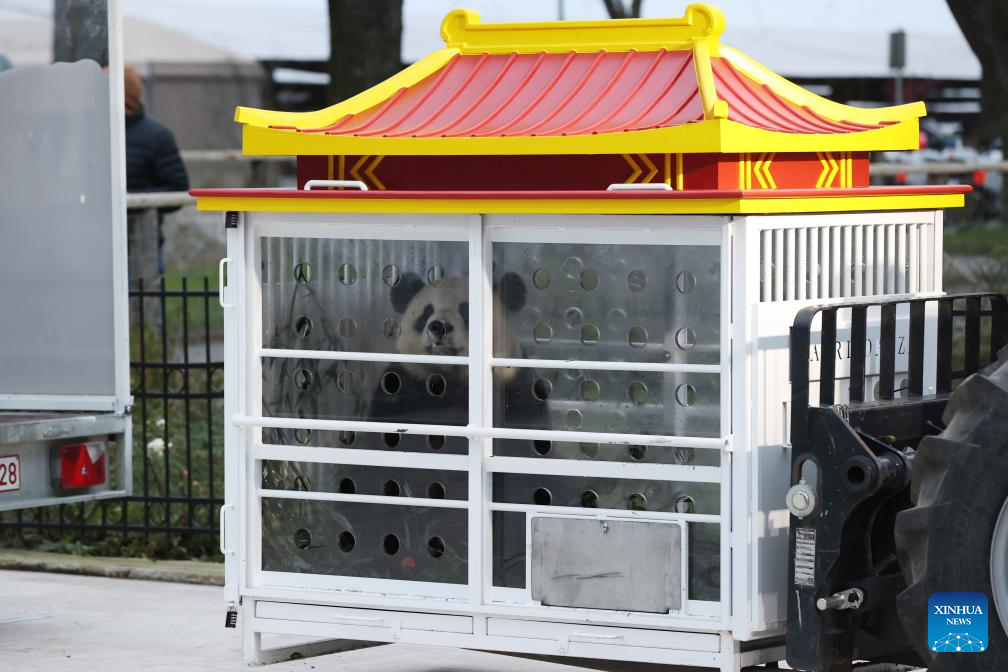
28	41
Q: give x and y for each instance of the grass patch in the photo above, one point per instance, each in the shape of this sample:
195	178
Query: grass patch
973	240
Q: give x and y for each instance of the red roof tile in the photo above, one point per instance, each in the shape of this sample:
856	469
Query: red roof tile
550	94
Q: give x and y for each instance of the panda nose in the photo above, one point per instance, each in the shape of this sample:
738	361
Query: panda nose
437	330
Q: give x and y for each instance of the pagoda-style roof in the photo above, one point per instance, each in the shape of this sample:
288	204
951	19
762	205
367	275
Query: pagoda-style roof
583	87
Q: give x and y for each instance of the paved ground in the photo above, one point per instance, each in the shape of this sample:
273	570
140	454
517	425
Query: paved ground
61	622
67	622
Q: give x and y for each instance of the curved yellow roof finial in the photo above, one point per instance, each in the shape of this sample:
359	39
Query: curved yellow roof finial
461	29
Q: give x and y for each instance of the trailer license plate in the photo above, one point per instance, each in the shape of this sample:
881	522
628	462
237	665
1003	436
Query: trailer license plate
10	473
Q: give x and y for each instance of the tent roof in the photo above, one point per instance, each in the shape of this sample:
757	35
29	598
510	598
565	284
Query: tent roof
634	85
29	42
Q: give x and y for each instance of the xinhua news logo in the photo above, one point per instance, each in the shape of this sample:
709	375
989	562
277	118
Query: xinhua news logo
957	622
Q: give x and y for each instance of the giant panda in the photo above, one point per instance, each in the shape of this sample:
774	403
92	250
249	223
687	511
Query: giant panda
434	320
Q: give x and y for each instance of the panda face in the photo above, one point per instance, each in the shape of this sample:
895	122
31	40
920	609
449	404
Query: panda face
436	320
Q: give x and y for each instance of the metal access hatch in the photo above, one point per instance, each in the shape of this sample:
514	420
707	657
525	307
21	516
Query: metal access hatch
608	563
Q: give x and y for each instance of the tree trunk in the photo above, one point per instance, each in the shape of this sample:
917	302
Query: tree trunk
984	24
620	9
80	30
365	41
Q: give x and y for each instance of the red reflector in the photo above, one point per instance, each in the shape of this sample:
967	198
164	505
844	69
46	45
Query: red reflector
81	465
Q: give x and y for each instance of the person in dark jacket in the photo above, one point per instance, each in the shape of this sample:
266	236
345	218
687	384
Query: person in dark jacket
153	162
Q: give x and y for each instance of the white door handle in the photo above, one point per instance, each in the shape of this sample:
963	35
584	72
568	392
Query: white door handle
354	184
223	540
220	283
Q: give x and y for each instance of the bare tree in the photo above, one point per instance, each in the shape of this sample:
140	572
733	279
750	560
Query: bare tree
621	9
365	44
80	30
984	23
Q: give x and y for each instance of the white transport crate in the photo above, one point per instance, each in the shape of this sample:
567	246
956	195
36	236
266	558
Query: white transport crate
543	434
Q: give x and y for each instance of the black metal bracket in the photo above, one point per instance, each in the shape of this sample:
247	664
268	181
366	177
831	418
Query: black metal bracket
861	452
231	220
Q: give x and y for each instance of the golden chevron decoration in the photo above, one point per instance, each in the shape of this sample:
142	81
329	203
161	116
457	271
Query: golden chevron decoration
760	168
831	168
637	169
367	175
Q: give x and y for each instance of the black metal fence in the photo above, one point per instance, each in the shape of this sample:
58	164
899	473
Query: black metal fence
177	381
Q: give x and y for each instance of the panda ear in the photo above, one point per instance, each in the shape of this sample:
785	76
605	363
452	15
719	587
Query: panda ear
512	291
409	285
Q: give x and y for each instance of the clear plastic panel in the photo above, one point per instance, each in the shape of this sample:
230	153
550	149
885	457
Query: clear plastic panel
365	391
508	549
350	479
704	561
607	493
626	402
387	296
613	303
364	540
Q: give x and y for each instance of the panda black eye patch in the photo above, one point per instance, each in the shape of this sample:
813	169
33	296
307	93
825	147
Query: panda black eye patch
464	312
421	321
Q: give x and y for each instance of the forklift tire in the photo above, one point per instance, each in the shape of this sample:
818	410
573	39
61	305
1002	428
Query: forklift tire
959	488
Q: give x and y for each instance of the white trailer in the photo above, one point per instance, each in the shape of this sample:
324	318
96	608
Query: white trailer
64	333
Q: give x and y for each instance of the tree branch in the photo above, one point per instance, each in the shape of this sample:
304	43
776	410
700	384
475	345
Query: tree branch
615	9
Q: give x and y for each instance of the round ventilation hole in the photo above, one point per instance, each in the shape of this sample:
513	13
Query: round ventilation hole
302	538
435	547
347	274
390	382
390	544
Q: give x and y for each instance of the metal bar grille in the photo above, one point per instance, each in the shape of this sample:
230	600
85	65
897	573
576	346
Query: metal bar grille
960	334
830	261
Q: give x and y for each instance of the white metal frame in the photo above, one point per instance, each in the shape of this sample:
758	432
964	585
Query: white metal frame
120	291
497	618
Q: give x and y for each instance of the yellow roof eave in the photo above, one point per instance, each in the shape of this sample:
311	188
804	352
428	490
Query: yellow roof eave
708	136
822	106
712	206
364	100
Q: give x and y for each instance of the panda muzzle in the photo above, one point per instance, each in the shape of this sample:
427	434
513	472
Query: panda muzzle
437	330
